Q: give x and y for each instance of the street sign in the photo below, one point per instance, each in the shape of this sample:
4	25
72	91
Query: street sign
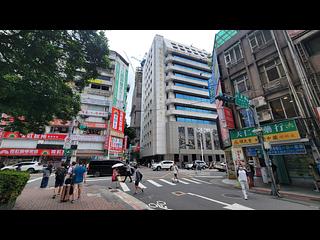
241	100
67	152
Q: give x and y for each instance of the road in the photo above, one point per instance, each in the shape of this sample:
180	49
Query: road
202	191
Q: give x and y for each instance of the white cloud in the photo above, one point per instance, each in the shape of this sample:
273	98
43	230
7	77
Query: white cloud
135	43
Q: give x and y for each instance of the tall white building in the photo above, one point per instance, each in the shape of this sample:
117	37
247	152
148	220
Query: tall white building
176	106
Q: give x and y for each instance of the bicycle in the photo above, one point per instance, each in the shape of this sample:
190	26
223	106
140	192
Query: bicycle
159	204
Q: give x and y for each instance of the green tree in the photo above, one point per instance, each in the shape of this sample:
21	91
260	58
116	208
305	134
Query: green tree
130	132
40	71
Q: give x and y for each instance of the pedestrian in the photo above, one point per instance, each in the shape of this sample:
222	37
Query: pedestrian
128	173
243	180
175	172
138	177
316	177
60	176
68	188
251	174
115	174
79	178
45	177
275	174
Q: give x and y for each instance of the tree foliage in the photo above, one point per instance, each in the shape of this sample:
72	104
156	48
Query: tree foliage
130	132
40	70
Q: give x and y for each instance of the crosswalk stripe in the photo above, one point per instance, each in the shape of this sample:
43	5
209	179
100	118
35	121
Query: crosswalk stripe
191	180
154	183
124	187
170	183
183	182
200	180
141	185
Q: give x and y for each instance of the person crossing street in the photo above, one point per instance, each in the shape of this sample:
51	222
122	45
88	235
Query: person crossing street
175	172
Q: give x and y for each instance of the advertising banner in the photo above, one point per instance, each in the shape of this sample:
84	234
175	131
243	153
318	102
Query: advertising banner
115	144
229	117
125	142
49	136
93	113
117	121
237	154
95	125
30	152
87	138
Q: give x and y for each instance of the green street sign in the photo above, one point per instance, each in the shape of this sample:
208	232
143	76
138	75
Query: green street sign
241	100
67	152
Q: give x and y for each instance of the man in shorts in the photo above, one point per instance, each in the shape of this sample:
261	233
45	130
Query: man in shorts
79	177
60	175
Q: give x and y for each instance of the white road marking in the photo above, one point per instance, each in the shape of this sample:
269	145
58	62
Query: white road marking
183	182
201	181
191	180
205	176
170	183
234	206
154	183
32	180
97	179
124	187
141	185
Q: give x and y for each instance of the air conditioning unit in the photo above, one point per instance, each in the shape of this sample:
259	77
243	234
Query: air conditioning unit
259	101
264	115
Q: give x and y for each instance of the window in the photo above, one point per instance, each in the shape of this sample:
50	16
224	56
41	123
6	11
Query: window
192	98
191	86
241	84
233	55
208	140
246	118
182	137
190	60
283	108
216	139
189	77
313	46
192	69
271	71
198	140
194	120
259	39
104	78
191	138
191	109
101	87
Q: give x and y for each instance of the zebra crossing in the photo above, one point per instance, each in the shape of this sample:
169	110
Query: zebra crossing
162	183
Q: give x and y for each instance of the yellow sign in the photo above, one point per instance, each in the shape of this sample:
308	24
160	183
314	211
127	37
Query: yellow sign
282	136
99	81
248	140
116	134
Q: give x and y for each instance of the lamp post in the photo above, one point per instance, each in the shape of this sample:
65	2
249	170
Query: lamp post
259	131
201	131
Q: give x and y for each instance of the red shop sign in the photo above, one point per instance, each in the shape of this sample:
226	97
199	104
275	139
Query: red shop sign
229	117
49	136
30	152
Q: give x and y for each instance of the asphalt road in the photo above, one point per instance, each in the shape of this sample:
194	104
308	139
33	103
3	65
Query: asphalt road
196	191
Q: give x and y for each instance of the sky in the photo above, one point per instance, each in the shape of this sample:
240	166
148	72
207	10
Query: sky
135	43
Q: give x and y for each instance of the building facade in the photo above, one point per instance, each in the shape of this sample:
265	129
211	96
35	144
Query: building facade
175	105
259	64
96	132
136	105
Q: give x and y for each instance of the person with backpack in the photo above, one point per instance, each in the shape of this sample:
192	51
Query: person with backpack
243	180
138	177
60	175
79	177
45	177
128	173
67	189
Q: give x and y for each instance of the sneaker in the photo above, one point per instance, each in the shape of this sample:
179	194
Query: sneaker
72	201
54	196
246	199
142	189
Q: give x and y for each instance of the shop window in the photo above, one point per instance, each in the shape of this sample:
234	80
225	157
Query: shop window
208	141
313	45
283	108
182	138
191	138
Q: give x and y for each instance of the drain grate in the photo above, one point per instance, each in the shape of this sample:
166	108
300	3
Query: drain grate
231	195
178	193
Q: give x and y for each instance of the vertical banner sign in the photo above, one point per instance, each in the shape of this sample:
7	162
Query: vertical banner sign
213	82
114	123
237	153
125	90
116	84
229	117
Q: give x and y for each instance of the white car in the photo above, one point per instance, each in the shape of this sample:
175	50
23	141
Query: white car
166	164
26	166
221	167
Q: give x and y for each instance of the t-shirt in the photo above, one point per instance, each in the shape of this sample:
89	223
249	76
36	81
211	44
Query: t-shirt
78	174
175	169
61	173
242	175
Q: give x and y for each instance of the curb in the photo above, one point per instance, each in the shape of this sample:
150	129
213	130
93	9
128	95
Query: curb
135	203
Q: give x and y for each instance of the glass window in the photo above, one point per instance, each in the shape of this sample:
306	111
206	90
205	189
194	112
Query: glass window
191	69
208	140
191	86
272	74
313	45
240	84
267	35
189	77
192	98
216	141
247	119
194	109
277	109
198	140
189	60
288	105
182	137
191	138
259	39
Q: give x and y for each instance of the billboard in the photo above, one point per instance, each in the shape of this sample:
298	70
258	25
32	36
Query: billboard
229	117
49	136
120	85
30	152
115	144
117	121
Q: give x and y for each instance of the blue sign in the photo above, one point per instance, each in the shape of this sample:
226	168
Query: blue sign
278	150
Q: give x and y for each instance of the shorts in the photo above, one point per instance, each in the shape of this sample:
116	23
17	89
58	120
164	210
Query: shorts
58	183
175	175
136	183
79	183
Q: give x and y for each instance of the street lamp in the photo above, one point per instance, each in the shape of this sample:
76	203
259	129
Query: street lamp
259	131
201	131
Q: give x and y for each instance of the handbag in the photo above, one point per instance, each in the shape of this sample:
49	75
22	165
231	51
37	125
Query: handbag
120	178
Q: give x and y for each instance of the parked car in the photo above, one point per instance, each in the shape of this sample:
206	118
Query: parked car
99	168
166	164
31	167
188	166
222	167
202	164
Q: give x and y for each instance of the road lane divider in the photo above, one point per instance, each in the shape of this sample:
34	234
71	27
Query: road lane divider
170	183
154	183
189	180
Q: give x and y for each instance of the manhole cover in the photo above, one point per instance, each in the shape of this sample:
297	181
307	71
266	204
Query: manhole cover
231	195
178	193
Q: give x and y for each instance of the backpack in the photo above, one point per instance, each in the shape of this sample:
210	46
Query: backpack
140	175
60	173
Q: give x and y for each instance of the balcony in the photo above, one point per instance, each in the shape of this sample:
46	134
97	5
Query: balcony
190	103
187	62
98	92
203	116
195	92
276	85
188	71
93	101
185	80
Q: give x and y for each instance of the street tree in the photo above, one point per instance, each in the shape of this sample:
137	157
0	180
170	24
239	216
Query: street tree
43	71
130	132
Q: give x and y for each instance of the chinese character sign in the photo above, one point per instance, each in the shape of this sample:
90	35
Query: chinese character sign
117	121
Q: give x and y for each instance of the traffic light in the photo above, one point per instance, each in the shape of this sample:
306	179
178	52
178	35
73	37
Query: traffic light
225	98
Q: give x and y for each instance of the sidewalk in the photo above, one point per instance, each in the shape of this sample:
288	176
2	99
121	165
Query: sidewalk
93	198
290	192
